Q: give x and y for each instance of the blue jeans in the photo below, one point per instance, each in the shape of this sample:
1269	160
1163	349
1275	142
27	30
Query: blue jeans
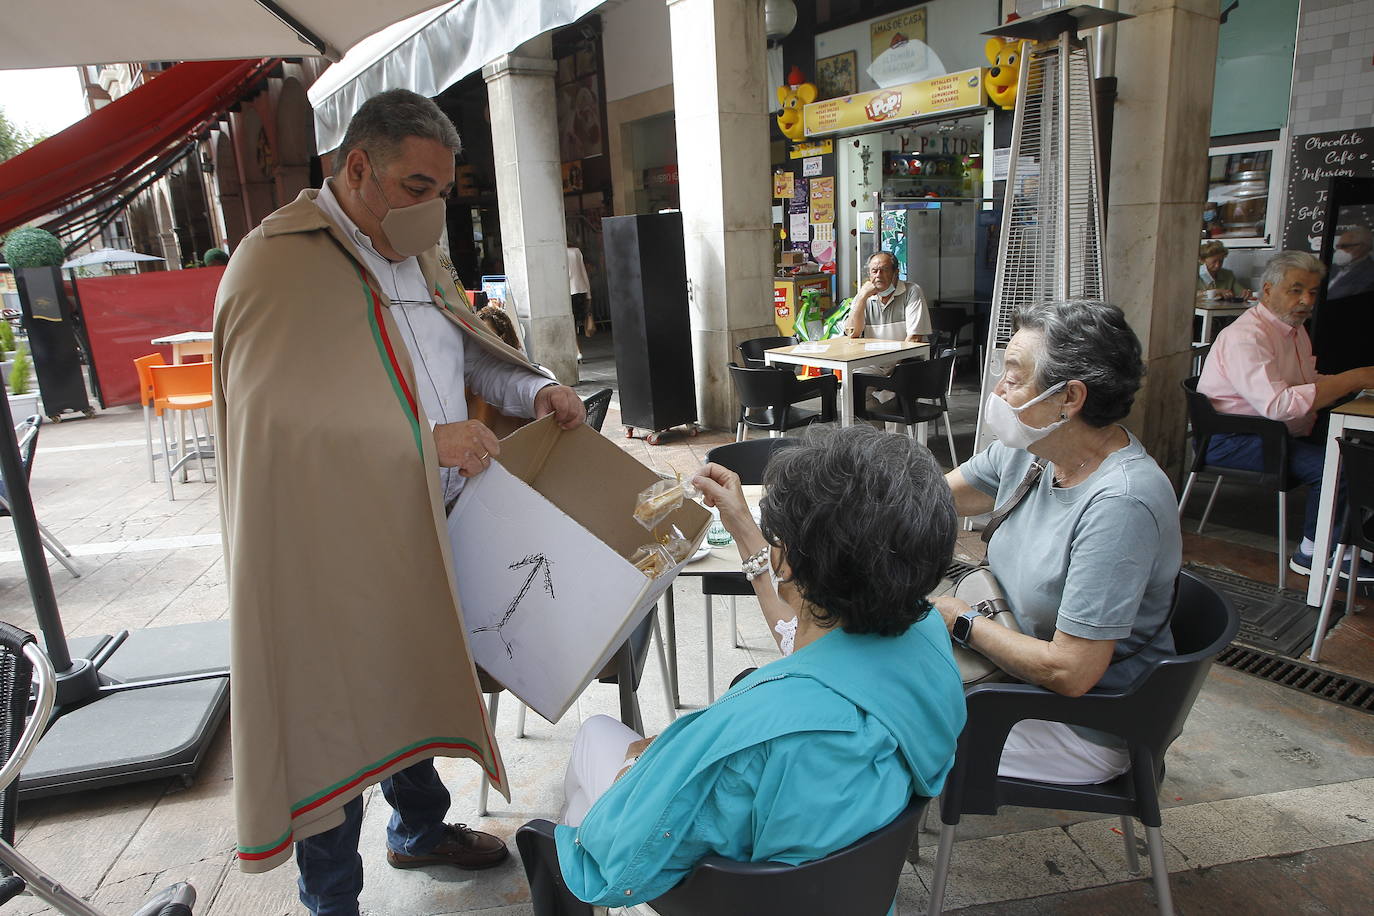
331	869
1305	462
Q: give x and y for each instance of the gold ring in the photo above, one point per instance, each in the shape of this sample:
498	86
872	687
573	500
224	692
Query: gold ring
485	456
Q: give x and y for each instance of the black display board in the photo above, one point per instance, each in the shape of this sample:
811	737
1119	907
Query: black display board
51	327
646	278
1313	161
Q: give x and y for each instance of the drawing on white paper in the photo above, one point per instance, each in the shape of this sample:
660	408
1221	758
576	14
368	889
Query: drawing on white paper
537	563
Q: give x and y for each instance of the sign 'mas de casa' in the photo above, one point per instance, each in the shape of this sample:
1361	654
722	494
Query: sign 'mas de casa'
943	94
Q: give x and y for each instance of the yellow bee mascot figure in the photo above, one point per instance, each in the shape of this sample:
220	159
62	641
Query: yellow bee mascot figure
1005	56
792	97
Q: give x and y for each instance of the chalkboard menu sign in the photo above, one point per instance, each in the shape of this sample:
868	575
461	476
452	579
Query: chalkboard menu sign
1313	161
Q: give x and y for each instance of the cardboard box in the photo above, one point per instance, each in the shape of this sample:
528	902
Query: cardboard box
541	542
791	258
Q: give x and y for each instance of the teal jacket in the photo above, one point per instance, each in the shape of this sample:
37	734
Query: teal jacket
801	758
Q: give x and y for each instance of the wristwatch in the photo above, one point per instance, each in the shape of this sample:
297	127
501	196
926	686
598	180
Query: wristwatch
962	631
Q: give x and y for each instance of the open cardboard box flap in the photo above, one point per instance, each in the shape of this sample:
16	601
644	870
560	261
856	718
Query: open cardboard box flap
592	480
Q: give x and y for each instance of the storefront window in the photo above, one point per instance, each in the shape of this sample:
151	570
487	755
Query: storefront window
1242	205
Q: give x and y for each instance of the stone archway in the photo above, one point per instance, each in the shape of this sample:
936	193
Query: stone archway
229	188
258	162
295	140
166	228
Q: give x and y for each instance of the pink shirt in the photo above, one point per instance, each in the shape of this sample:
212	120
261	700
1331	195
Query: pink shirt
1261	366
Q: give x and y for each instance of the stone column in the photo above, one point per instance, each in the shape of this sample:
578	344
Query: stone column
1165	64
529	189
721	77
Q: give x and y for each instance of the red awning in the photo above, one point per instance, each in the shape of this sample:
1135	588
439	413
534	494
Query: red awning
107	150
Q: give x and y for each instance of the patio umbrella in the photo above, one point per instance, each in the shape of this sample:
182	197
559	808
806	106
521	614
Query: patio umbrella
63	34
109	256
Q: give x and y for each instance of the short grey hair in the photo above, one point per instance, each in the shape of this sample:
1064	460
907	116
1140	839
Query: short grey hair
866	523
387	119
1280	264
1361	233
892	258
1089	341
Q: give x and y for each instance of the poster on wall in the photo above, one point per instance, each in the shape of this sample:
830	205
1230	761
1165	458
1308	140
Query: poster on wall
782	185
579	119
1313	160
799	217
837	75
896	31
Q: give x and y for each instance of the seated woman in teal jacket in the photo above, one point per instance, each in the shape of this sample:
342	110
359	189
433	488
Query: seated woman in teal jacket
823	746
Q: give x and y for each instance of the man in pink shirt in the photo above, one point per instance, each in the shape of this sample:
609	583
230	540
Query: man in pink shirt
1262	366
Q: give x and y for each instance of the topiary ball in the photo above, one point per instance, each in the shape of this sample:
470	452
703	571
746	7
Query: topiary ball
215	257
33	247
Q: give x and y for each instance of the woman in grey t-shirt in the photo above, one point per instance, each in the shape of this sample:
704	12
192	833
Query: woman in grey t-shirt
1089	556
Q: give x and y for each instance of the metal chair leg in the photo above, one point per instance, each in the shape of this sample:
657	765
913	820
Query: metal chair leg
1352	585
59	552
710	656
1210	500
734	622
148	434
657	636
1154	840
1283	540
1128	835
949	437
520	721
1328	598
195	437
492	700
942	857
167	456
739	432
1187	490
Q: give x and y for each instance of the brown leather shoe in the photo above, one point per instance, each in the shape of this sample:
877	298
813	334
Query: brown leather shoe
460	847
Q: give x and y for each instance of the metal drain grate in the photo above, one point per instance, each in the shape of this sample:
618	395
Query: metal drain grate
1338	688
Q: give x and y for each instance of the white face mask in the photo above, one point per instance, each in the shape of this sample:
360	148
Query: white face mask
1341	257
1004	421
415	229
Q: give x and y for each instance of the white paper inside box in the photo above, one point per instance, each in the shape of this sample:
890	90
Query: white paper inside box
541	542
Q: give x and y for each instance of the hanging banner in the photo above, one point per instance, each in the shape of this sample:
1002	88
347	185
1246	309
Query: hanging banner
944	94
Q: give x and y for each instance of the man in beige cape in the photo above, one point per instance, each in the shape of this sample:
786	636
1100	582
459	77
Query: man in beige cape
342	349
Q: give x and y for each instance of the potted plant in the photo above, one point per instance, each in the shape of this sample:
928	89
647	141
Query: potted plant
23	399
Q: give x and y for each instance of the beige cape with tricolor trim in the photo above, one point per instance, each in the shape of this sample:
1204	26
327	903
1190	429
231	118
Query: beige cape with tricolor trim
349	657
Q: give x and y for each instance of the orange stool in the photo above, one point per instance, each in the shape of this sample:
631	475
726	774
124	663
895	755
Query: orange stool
177	388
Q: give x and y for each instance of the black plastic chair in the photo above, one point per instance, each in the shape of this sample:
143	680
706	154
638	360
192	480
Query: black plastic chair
22	664
597	404
751	351
27	434
1357	531
1206	423
1148	715
767	396
946	323
859	880
919	386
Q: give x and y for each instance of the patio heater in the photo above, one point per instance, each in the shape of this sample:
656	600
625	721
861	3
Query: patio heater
1052	226
137	705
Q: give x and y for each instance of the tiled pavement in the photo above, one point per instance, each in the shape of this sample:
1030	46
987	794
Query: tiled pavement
1269	791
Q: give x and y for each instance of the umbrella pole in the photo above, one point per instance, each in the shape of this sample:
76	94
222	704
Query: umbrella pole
77	682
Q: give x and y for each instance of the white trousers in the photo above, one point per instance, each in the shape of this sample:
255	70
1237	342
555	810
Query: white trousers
598	752
1054	753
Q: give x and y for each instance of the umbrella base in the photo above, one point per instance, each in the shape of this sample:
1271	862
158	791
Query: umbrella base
131	735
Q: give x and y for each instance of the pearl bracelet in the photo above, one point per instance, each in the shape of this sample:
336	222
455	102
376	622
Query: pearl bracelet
756	565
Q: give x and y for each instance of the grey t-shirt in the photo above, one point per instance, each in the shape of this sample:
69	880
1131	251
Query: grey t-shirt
1096	560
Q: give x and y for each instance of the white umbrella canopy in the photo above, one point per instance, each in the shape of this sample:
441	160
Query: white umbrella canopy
109	256
85	32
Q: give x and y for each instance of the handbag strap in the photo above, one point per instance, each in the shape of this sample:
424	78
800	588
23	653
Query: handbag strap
1001	512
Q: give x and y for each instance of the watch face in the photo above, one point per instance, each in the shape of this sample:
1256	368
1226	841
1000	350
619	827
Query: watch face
963	629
